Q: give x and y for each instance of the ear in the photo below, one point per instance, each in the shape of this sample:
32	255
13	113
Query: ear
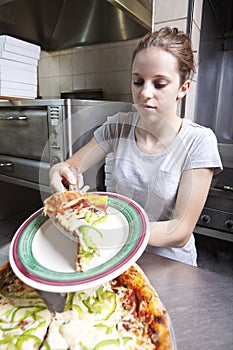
184	88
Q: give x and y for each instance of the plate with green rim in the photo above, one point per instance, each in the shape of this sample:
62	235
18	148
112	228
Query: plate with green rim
44	258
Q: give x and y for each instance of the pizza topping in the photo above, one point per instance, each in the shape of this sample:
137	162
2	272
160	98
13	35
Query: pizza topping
71	212
118	322
75	203
27	335
93	218
118	342
104	303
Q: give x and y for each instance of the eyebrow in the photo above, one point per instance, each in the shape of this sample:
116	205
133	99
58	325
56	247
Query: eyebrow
155	76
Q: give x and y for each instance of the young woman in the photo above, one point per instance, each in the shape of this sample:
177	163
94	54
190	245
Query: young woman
163	162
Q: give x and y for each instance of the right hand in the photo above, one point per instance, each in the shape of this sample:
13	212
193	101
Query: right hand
61	176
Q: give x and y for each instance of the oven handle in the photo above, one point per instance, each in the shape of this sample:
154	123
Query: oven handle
5	164
23	117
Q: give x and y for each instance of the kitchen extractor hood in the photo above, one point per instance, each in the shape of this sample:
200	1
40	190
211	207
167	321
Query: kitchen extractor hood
61	24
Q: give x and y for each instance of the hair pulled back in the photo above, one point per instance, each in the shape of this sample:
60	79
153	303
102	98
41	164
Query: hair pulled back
175	42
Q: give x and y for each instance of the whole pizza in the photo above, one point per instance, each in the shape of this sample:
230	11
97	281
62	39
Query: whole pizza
124	313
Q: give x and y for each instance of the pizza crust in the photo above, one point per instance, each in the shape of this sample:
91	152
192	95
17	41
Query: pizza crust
149	307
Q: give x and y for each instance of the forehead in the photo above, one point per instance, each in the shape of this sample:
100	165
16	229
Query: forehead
155	60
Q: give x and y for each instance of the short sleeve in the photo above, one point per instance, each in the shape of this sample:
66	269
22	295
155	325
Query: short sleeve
203	152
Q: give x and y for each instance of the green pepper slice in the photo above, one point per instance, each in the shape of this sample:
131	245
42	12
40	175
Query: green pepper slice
69	301
85	230
32	313
111	342
70	304
24	337
104	301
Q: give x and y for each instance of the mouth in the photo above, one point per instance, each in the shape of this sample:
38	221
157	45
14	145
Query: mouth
148	107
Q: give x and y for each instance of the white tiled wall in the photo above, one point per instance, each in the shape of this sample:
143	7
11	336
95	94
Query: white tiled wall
171	13
107	66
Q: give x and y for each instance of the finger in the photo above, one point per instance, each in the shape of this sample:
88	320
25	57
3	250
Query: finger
56	178
68	174
56	183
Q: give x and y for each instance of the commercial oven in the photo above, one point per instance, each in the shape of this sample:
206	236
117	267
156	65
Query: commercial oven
36	134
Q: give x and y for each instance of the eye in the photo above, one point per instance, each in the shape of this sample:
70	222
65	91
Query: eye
138	82
160	86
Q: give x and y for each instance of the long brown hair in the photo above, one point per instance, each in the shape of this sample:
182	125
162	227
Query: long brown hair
175	42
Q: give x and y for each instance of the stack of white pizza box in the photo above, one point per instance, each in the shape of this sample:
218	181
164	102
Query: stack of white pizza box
18	68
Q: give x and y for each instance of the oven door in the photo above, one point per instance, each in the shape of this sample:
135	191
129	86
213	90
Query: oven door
24	132
25	172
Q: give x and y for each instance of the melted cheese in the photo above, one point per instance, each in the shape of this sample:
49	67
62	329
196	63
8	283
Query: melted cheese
19	309
24	336
86	330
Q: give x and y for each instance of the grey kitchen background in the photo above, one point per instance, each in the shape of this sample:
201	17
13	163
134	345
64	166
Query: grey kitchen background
107	66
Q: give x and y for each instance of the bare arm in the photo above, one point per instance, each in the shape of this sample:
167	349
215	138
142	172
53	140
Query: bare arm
87	156
192	194
83	159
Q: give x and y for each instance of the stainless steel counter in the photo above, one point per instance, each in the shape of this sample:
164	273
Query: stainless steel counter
199	302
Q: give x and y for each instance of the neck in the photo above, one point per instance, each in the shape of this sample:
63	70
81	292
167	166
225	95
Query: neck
162	129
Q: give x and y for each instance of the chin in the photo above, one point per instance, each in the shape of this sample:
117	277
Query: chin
148	113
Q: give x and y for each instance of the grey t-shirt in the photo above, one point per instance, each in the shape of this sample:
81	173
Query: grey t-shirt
152	180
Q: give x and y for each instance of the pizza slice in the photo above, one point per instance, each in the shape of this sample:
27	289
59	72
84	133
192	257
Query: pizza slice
78	216
24	317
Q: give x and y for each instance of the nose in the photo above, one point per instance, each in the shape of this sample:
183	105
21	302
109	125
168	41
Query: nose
147	91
